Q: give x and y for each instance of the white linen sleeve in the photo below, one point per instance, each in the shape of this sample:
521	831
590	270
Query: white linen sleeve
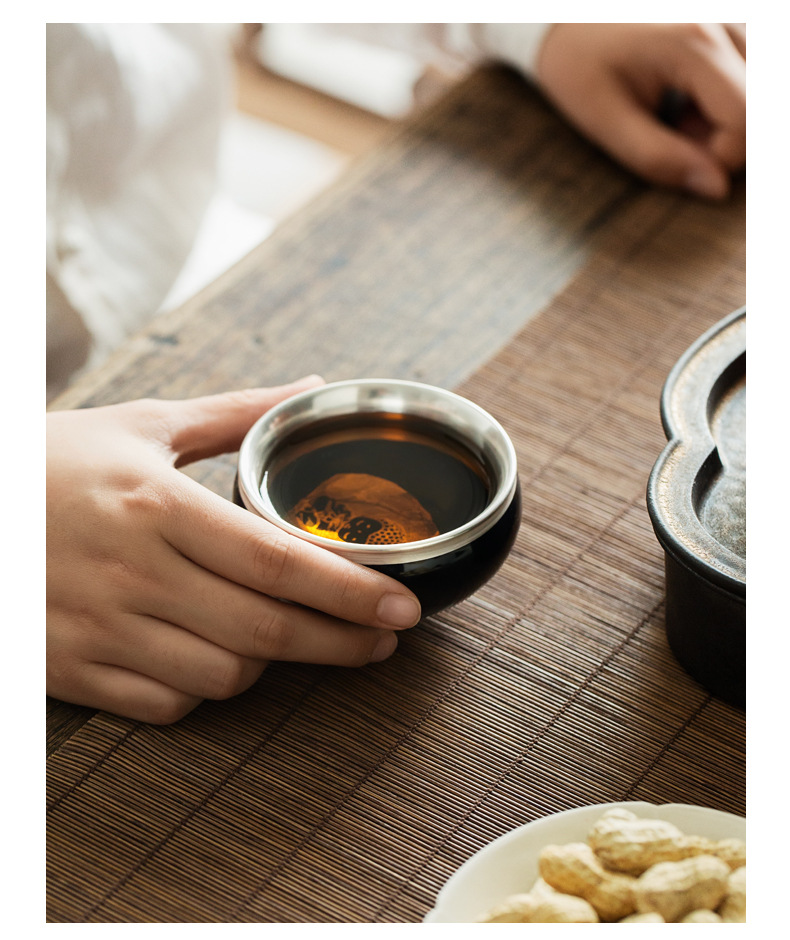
134	113
516	44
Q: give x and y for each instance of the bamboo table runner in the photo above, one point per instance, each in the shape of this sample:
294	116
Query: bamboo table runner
336	795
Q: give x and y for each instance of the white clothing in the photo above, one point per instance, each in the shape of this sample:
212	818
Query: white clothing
134	113
516	44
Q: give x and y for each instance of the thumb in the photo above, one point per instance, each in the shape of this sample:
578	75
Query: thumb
216	424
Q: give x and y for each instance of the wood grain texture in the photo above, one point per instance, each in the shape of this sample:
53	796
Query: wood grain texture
332	795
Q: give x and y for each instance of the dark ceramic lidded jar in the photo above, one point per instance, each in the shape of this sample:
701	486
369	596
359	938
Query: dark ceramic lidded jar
442	567
696	498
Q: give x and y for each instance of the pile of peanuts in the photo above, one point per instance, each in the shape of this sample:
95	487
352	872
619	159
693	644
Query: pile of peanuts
634	870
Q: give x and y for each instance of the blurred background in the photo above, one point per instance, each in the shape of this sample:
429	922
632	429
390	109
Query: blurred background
308	101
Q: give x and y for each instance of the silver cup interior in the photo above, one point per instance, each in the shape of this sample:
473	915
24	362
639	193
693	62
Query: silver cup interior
467	422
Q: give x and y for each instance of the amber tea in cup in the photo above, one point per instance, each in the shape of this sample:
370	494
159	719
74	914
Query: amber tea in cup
402	477
386	480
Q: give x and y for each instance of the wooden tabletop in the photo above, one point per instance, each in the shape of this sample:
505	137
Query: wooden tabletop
489	249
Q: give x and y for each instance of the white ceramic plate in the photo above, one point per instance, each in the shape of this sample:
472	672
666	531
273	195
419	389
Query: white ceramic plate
509	865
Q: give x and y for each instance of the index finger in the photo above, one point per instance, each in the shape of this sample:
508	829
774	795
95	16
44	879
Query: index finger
737	33
714	74
243	548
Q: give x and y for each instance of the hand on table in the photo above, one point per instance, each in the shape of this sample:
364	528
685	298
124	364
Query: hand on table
609	80
161	593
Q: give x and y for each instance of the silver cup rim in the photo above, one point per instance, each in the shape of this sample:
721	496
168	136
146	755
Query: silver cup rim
472	424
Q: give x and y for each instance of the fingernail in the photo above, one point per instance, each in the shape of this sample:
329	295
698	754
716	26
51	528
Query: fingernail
398	610
707	184
309	380
384	648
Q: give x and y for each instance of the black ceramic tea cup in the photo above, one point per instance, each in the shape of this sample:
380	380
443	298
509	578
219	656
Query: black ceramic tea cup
412	480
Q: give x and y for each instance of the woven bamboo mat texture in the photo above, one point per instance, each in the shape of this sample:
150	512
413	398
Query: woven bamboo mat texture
328	795
416	264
